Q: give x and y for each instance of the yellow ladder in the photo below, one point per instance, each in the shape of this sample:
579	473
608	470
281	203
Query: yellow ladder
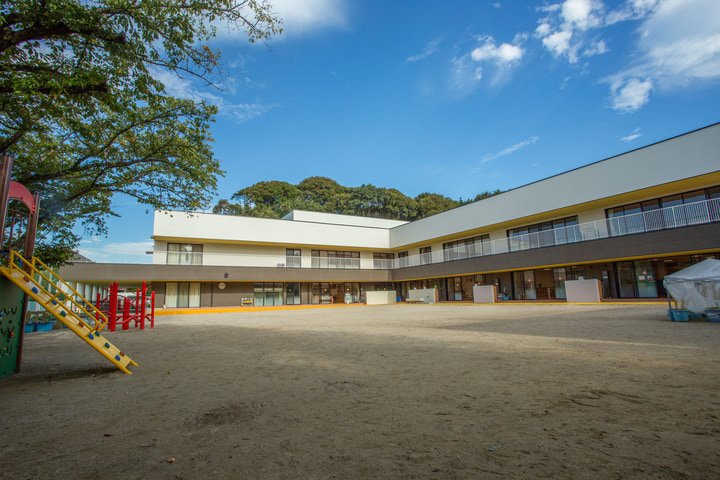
65	304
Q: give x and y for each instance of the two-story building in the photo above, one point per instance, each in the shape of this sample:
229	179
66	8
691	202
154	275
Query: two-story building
628	221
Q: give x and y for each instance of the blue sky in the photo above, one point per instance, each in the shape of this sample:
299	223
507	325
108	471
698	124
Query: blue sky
452	97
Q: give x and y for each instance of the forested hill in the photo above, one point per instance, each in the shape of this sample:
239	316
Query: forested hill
275	199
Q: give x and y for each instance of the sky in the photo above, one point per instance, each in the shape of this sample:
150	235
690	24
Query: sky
454	97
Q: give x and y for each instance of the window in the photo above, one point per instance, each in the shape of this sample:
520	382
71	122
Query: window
335	259
425	255
182	294
383	260
467	247
689	208
184	254
556	232
293	258
403	259
292	294
268	293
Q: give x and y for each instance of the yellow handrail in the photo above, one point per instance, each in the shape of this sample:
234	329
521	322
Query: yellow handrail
18	262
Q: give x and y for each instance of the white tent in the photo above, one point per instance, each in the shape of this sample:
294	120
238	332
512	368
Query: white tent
697	287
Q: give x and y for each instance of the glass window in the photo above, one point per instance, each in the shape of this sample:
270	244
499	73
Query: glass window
425	255
182	294
383	260
672	201
696	196
403	259
650	205
293	258
184	254
633	219
292	294
334	259
714	203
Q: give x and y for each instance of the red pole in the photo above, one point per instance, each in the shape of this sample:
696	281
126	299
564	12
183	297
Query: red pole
126	314
152	311
113	306
141	311
137	308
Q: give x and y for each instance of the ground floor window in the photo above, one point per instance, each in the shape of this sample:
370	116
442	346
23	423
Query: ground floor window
292	294
182	294
636	279
324	293
268	293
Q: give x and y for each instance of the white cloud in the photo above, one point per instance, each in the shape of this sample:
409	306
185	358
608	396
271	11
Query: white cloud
184	88
563	31
678	46
558	43
507	151
629	95
503	54
595	48
123	252
497	59
305	16
681	40
579	13
429	49
299	17
636	133
543	30
464	76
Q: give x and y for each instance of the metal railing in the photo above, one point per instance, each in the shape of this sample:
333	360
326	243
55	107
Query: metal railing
661	219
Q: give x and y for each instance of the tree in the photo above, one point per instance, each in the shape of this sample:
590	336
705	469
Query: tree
326	193
268	199
432	203
275	199
372	201
80	104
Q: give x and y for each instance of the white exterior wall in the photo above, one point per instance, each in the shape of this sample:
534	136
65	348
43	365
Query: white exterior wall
336	219
243	255
686	156
202	226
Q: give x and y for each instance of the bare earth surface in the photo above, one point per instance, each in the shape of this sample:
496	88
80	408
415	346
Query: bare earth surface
402	391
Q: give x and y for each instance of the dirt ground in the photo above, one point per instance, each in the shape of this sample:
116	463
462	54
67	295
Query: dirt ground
374	392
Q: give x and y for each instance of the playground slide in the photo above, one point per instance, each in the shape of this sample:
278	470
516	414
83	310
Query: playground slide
71	309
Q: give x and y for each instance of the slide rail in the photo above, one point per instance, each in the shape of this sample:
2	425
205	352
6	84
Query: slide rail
62	292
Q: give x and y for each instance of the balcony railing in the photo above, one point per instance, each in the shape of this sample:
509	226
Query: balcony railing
665	218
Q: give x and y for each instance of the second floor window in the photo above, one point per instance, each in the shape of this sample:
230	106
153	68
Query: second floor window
334	259
383	260
292	258
425	255
184	254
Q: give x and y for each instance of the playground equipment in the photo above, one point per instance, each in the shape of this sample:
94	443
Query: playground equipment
117	303
37	281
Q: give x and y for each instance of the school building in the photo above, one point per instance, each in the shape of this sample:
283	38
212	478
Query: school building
627	221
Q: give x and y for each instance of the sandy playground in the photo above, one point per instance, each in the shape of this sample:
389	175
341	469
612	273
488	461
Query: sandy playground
374	392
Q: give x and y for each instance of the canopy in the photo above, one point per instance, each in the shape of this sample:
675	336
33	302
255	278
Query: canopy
697	287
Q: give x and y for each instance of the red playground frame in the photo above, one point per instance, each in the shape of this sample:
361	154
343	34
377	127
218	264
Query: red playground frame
123	304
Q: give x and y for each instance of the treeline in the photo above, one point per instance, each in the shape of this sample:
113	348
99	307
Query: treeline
275	199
